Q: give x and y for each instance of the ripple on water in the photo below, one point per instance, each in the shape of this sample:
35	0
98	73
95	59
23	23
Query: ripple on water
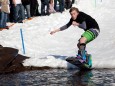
60	77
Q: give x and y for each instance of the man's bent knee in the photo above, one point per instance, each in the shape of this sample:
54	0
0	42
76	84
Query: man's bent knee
82	40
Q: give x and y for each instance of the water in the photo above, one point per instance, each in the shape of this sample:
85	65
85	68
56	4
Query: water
60	77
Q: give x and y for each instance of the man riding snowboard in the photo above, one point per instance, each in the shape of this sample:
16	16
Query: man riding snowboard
85	22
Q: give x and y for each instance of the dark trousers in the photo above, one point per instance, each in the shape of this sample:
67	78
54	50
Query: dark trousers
11	15
43	10
61	5
27	8
68	4
73	1
34	8
19	13
3	19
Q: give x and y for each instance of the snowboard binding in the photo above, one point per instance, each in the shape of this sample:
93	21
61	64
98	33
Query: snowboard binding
84	58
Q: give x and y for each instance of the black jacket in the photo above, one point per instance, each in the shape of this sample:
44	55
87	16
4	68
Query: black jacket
86	21
82	17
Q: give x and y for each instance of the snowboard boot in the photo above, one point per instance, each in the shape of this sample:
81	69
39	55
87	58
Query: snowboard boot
82	54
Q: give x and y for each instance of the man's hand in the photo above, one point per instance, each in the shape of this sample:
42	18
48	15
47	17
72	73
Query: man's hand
74	23
52	32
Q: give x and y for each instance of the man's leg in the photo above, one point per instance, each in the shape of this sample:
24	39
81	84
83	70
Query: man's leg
82	43
27	7
82	47
69	4
11	18
55	5
87	37
61	5
42	9
21	14
47	7
0	15
16	10
73	1
3	20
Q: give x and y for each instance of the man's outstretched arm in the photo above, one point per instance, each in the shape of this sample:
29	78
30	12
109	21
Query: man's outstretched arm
61	28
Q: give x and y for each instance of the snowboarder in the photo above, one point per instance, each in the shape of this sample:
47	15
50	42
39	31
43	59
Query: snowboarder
85	22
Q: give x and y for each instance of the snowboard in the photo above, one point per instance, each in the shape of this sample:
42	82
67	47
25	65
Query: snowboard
80	63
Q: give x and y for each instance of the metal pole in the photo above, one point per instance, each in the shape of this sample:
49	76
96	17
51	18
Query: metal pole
22	38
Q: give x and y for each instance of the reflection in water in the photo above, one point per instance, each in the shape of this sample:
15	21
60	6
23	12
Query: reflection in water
60	77
81	78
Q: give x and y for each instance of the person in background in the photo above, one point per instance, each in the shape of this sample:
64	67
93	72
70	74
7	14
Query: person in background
68	4
5	10
43	4
19	13
0	5
61	5
34	8
73	1
51	7
55	5
11	15
26	4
